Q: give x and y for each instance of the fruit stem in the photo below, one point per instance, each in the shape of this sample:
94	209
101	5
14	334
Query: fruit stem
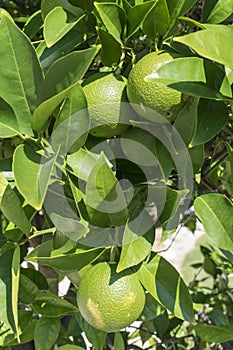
112	254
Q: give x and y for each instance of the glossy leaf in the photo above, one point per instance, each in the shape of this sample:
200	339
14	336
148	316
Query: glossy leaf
73	121
106	204
33	24
157	20
62	76
136	15
165	284
50	305
170	216
46	255
113	17
9	278
210	44
49	5
46	333
119	341
72	228
71	347
197	157
186	120
58	23
82	162
10	206
175	8
19	63
214	334
65	45
8	338
8	121
135	246
217	11
216	214
95	336
207	124
111	49
194	76
28	290
15	274
32	178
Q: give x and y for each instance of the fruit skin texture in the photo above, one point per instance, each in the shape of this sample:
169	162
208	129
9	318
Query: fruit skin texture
153	95
110	301
104	93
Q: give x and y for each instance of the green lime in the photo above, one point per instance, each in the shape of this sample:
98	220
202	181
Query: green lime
108	300
153	95
104	93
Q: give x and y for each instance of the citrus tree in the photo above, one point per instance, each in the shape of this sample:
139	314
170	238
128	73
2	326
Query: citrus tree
116	130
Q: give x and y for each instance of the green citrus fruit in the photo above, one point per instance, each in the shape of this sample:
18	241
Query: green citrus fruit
153	95
104	93
108	300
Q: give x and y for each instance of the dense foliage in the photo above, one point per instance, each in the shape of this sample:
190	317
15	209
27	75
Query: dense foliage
69	200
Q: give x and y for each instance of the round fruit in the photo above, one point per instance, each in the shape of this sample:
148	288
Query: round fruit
108	300
104	93
153	95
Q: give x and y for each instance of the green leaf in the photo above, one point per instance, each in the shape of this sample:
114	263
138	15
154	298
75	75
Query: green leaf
216	214
194	76
15	273
170	216
65	45
33	24
175	9
137	15
58	23
106	204
197	157
70	347
50	305
82	163
111	49
62	76
49	5
151	308
46	255
46	333
26	332
186	120
214	334
119	343
73	121
9	278
217	11
19	64
28	290
8	121
157	20
165	284
207	125
135	246
10	206
32	178
35	276
113	17
70	227
95	336
211	44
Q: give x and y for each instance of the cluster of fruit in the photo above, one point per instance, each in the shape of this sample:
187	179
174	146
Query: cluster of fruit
109	300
